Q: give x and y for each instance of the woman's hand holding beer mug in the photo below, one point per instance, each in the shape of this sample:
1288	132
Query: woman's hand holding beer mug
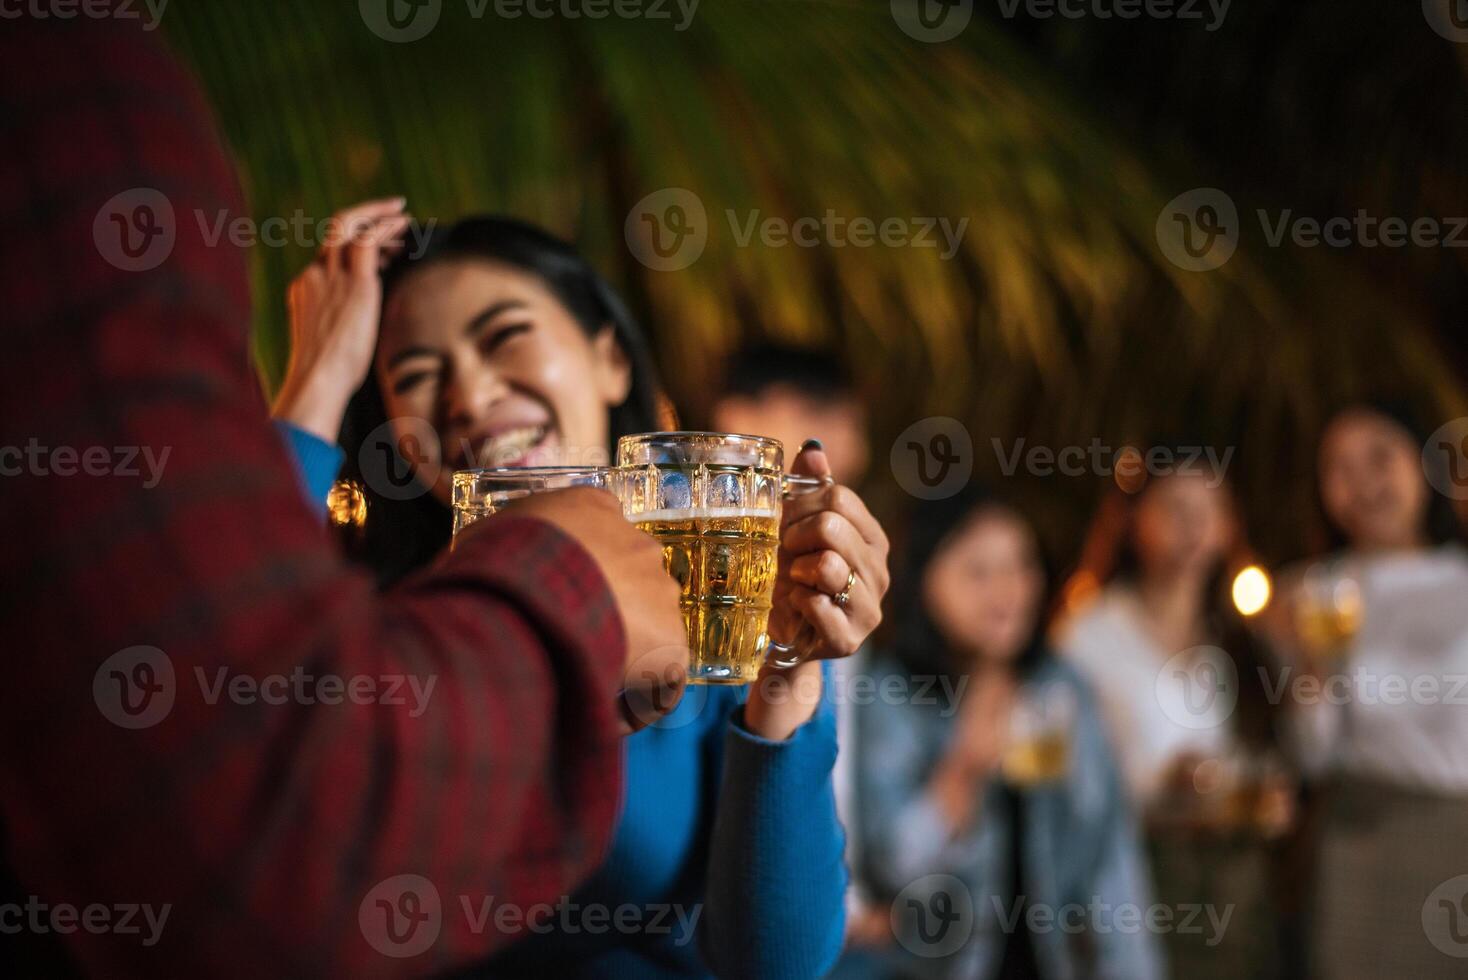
828	595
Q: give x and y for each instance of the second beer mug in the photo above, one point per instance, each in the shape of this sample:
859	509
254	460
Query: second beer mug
479	493
713	500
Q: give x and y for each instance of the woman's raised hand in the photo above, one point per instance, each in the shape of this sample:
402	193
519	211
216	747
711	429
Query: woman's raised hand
975	750
335	307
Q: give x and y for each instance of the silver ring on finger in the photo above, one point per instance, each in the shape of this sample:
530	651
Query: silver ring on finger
842	599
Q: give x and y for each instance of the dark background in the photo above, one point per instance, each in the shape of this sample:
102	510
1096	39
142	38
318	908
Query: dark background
1059	321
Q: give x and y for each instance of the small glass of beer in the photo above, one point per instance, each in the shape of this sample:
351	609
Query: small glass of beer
713	500
479	493
1328	610
1040	726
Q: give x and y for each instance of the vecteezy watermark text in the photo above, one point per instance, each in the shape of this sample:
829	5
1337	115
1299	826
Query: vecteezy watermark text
39	917
941	691
402	916
570	918
935	915
1200	229
936	21
1362	686
298	229
405	21
90	9
1180	10
833	230
1127	462
300	687
138	686
1198	688
591	10
136	230
35	459
668	230
1102	918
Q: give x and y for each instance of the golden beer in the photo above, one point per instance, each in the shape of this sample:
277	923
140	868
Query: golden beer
714	500
1040	723
1042	758
723	559
1327	630
1328	611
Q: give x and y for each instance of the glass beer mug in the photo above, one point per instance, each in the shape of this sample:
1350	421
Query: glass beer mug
1040	724
479	493
713	500
1328	610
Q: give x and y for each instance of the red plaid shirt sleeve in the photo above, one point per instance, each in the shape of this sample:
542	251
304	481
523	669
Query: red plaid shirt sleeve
205	709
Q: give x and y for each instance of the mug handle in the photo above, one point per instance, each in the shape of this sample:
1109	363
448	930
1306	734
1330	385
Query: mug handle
798	486
784	655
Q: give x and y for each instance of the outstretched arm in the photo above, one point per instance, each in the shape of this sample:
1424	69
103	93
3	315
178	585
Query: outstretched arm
197	776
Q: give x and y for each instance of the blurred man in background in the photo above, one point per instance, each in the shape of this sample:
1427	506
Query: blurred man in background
793	394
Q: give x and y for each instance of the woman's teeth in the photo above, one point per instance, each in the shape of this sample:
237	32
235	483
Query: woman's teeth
510	445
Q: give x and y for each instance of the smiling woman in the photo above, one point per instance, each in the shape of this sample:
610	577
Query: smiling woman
480	349
499	346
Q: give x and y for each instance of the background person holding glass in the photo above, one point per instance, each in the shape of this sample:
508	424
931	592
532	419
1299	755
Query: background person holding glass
1012	790
1384	733
1177	677
516	353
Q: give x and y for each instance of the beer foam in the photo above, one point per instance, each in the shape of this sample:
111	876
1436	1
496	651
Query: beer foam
703	513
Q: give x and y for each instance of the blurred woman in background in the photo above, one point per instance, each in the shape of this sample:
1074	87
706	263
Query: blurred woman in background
1380	625
1179	686
999	776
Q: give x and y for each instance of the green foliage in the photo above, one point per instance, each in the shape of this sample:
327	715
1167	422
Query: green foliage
1058	320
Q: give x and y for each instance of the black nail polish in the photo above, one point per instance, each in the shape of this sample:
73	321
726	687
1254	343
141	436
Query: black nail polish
812	444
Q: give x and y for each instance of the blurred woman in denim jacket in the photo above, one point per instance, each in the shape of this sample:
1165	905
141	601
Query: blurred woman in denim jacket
994	819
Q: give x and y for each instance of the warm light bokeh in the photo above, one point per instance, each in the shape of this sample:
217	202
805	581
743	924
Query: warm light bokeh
1251	590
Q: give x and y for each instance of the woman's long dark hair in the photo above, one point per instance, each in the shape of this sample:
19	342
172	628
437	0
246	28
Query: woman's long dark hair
1111	551
400	536
918	643
1441	522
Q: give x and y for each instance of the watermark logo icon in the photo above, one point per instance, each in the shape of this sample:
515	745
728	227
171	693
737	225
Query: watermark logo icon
932	21
400	21
1445	459
1445	917
1198	688
136	230
396	458
668	229
1199	230
1449	18
933	458
135	688
656	690
934	916
401	916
